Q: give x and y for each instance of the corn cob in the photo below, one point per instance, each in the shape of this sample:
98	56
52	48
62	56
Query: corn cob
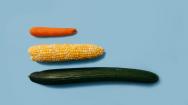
64	52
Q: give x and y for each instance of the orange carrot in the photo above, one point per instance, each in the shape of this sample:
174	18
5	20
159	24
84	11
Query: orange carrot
51	32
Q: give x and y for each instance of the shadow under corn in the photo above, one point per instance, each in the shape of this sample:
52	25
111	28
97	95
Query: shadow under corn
74	62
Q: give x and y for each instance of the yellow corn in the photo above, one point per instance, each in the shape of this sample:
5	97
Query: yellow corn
64	52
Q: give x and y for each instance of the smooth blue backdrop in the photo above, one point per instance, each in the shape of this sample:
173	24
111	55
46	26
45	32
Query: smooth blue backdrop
144	34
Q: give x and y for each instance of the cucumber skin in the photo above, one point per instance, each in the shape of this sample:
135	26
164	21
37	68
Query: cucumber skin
92	74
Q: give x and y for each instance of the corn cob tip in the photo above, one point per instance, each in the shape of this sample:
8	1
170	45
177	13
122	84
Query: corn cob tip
64	52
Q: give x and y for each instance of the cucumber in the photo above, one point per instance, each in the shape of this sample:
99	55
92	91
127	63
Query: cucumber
92	74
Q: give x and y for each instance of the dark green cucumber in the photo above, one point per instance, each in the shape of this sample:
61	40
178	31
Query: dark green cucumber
92	74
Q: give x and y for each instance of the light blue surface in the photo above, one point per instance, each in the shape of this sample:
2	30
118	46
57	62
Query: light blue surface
144	34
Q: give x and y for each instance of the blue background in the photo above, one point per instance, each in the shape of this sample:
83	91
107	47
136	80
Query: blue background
144	34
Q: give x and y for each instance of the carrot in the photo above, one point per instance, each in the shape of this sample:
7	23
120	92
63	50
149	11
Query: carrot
51	32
